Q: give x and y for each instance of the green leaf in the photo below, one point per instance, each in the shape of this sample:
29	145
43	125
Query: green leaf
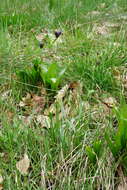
51	75
114	148
91	154
97	147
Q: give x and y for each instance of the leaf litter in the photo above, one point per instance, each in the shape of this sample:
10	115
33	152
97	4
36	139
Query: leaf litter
123	179
33	101
65	104
1	182
23	165
66	100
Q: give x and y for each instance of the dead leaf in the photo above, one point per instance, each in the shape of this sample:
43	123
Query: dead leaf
1	186
86	106
1	182
76	89
111	25
62	93
66	100
116	74
22	104
38	103
33	101
110	101
123	17
32	30
5	94
116	44
27	98
45	36
123	180
43	120
74	85
122	186
93	13
26	119
58	98
23	165
1	179
26	101
37	99
43	181
40	37
10	116
101	30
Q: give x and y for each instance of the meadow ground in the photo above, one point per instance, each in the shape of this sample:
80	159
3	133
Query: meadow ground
61	94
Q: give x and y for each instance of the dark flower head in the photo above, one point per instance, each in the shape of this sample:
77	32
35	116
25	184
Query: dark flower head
41	45
58	33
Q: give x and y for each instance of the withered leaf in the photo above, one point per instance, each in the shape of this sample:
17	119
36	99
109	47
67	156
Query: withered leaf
1	182
43	121
23	165
110	101
1	179
1	186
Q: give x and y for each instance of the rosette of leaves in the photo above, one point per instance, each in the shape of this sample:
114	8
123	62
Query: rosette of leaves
51	75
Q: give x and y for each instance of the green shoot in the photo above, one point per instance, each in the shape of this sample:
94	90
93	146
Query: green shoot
94	152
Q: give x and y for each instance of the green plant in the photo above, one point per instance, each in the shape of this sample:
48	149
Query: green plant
56	154
118	142
51	75
94	152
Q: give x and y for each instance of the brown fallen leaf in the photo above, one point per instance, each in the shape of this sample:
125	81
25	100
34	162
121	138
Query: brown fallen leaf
123	180
10	116
66	100
45	36
1	187
101	30
110	102
43	120
62	93
33	101
58	98
40	37
26	119
43	180
23	165
122	186
5	94
26	101
37	100
93	13
86	105
1	179
112	25
116	74
1	182
76	91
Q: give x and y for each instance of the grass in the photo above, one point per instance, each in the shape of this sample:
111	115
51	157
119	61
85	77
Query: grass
92	51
